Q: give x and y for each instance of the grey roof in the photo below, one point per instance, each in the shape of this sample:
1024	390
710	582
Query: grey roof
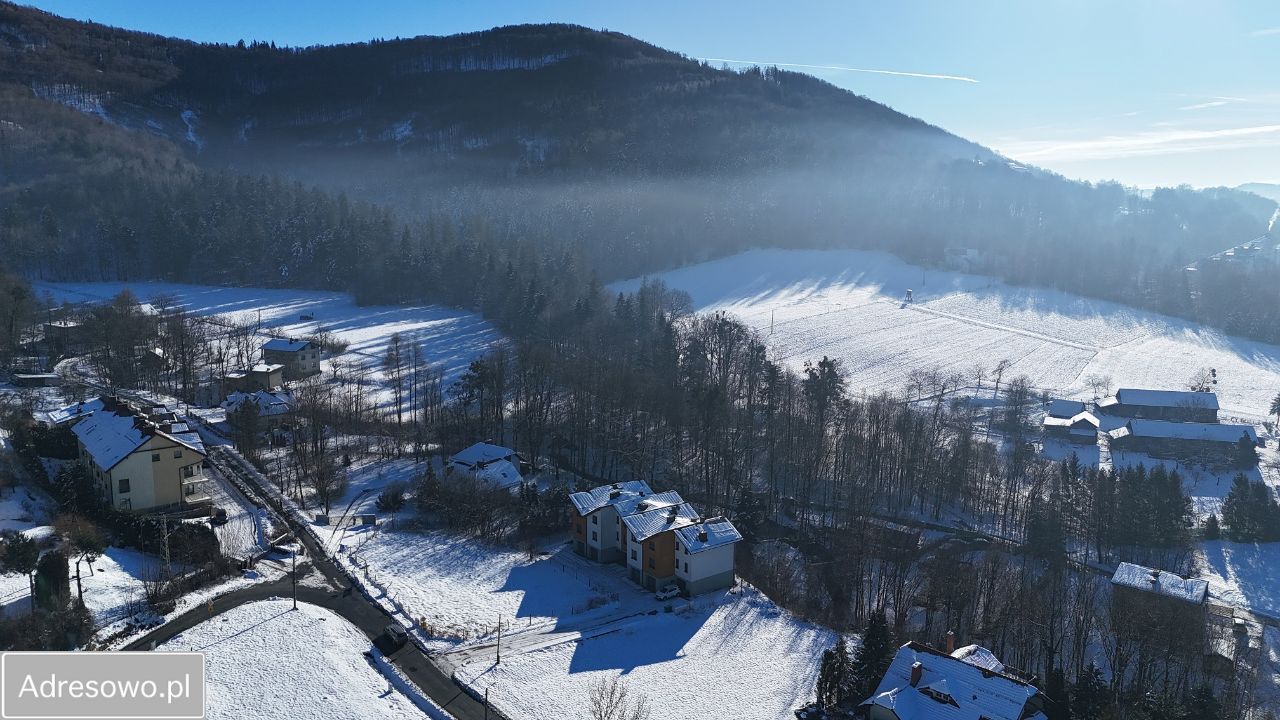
1160	582
110	436
1064	408
73	412
1165	429
589	501
963	686
719	532
1167	398
482	453
647	524
286	345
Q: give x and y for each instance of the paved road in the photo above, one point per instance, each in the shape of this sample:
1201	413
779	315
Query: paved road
346	601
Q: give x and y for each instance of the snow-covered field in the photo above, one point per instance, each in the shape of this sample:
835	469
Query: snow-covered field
735	651
266	660
449	339
850	305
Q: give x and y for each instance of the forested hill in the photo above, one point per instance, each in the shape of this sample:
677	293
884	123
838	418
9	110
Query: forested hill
628	157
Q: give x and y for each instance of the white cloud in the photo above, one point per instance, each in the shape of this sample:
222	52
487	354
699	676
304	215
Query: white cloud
1161	142
1266	31
931	76
1203	105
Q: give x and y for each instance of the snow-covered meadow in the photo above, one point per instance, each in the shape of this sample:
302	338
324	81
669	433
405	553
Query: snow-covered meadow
449	339
265	659
850	305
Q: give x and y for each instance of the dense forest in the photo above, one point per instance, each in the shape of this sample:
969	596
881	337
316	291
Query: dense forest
550	142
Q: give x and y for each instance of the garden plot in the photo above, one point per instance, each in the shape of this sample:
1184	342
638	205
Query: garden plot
852	305
267	660
687	664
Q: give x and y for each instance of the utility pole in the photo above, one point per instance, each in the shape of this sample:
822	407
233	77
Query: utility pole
486	704
499	660
294	574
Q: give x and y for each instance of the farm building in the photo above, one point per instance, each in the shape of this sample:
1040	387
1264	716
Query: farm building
1174	405
1190	441
1080	428
923	683
1064	408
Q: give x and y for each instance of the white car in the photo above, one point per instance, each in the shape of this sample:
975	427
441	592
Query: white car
667	592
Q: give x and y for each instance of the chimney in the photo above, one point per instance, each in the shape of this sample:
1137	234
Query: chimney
671	513
614	493
702	535
917	669
951	641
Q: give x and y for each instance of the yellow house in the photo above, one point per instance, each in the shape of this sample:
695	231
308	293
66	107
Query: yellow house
142	459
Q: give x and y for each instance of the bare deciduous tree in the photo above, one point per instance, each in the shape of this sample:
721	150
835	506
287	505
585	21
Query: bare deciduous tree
610	699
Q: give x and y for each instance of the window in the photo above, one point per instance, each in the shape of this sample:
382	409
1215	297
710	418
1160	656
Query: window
650	563
155	457
595	519
686	567
677	547
177	454
633	554
652	546
124	485
595	535
189	471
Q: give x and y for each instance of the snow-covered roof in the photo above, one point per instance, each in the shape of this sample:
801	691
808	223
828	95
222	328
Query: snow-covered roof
952	687
708	534
481	454
1064	408
73	412
111	435
500	474
630	504
1160	582
1066	422
266	368
286	345
589	501
1165	429
269	404
1167	398
647	524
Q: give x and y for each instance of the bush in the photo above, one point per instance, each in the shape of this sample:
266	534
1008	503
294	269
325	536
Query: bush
53	581
392	497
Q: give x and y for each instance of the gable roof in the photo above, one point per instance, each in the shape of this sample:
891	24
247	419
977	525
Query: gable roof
1083	418
286	345
269	404
645	525
482	454
1160	582
1166	429
589	501
111	435
718	532
1064	408
1167	398
499	474
73	412
975	690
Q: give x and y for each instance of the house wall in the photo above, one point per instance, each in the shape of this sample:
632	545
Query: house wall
1179	414
661	550
152	483
580	535
708	570
296	364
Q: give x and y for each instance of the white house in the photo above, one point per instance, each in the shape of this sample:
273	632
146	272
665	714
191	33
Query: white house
494	465
597	529
923	683
704	555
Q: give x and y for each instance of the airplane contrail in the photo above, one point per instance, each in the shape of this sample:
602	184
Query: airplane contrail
931	76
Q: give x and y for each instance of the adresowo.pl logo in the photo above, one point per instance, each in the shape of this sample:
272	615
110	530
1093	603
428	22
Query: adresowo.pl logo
101	685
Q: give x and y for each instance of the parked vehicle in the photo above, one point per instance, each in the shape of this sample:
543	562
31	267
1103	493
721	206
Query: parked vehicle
667	592
395	636
219	516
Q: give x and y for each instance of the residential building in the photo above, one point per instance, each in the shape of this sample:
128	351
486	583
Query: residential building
141	458
660	538
1173	405
300	358
494	465
1160	608
1064	408
263	376
272	407
923	683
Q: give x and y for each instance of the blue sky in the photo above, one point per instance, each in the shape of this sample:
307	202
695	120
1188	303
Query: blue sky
1144	92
